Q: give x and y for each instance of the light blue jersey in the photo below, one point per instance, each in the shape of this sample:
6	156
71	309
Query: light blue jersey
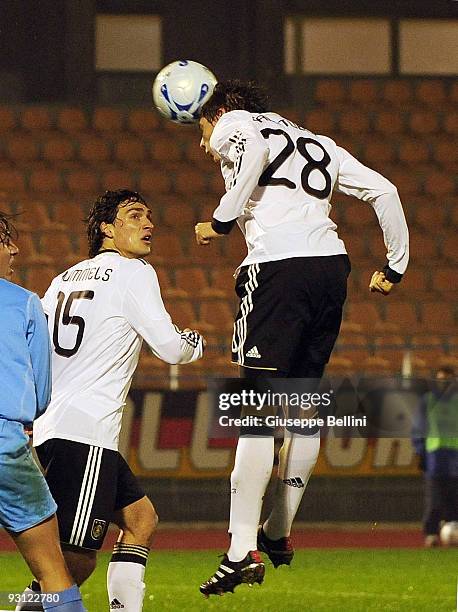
25	382
25	355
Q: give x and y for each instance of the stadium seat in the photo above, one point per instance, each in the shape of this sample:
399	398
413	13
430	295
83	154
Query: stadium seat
36	214
39	278
403	313
12	180
431	93
340	365
377	152
163	149
167	249
29	253
68	213
216	183
223	281
58	149
179	215
415	282
365	314
188	181
423	246
423	123
107	120
354	122
439	183
21	148
330	92
8	120
449	246
445	152
191	279
46	181
389	122
36	119
391	348
364	92
129	151
118	179
234	248
321	121
216	314
56	245
397	93
444	280
141	121
359	214
72	120
413	152
152	181
94	150
450	123
182	312
429	216
438	317
408	181
376	365
82	183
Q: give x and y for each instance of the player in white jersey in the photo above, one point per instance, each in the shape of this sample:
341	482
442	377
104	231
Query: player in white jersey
279	180
99	312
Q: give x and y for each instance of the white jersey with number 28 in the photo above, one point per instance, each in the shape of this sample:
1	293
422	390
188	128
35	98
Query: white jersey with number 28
279	181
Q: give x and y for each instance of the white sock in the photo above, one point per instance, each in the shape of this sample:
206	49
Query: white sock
297	459
249	479
125	578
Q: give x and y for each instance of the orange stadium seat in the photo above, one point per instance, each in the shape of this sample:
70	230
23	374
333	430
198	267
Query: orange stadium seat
72	120
431	92
364	92
423	246
389	122
162	148
93	150
165	278
36	118
182	312
56	245
58	149
439	317
415	282
193	153
378	152
118	179
179	215
449	244
218	314
391	348
82	182
403	314
359	214
330	92
408	181
188	181
356	245
191	279
223	281
445	152
413	152
8	121
28	251
22	148
129	151
439	183
154	182
430	217
397	93
167	249
210	255
108	120
39	278
354	122
141	121
215	183
46	181
450	123
68	213
321	121
377	365
444	280
37	214
234	247
12	181
423	122
366	314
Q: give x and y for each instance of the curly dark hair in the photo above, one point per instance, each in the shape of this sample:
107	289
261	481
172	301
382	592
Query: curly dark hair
105	209
8	231
235	95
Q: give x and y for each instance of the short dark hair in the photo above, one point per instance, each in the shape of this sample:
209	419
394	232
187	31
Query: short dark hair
8	231
235	95
104	210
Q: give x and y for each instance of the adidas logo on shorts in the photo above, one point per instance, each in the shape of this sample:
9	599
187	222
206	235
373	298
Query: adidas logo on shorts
253	353
115	604
294	482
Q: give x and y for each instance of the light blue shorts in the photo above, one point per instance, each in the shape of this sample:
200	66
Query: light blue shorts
25	499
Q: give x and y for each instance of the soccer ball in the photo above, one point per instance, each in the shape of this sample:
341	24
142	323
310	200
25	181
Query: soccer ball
449	534
181	88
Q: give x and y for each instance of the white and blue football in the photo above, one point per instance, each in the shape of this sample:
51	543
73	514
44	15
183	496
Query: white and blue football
181	88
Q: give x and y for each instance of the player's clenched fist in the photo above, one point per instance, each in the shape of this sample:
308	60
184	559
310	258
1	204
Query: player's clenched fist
380	284
204	233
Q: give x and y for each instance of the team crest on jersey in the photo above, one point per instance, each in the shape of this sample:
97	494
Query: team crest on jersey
98	529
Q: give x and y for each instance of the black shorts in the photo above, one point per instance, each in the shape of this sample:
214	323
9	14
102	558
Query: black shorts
89	484
290	313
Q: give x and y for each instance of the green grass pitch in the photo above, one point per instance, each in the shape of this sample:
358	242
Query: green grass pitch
328	580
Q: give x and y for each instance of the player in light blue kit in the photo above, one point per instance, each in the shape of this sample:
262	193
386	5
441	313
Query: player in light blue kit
27	509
